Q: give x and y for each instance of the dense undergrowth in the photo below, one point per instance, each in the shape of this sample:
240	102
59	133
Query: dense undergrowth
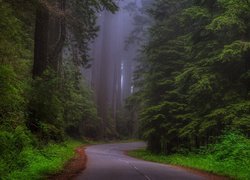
37	114
21	158
229	157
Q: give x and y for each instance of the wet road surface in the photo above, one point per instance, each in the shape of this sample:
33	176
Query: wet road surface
108	162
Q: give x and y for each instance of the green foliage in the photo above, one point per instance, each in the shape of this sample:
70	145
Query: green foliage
31	163
127	123
14	65
12	101
12	144
229	157
47	109
62	105
193	75
12	36
232	147
80	113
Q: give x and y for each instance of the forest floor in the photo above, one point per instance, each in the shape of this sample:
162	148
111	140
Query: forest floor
74	166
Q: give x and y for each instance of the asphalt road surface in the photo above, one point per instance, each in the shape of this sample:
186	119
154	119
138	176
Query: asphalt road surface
108	162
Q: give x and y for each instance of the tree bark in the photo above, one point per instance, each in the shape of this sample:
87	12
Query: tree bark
41	41
50	35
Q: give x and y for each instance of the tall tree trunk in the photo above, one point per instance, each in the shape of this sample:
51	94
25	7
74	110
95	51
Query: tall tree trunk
57	36
41	41
50	34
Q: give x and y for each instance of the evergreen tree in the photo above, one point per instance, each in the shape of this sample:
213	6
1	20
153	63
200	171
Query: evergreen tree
194	73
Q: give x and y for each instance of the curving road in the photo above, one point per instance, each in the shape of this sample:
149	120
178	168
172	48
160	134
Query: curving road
108	162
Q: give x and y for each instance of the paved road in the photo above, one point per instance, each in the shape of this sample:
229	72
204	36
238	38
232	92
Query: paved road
108	162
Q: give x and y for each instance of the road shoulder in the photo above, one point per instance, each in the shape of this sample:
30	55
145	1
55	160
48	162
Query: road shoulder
74	166
196	171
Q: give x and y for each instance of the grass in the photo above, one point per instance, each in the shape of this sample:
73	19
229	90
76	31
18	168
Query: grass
39	163
202	162
230	157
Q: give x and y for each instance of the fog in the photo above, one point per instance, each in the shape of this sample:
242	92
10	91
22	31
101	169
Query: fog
110	75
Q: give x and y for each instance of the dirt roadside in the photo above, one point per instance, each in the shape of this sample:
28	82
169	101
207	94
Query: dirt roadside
73	168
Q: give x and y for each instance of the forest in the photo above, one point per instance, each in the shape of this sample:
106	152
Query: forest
43	97
183	87
193	77
193	82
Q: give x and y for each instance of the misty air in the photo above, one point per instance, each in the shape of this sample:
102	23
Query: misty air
124	89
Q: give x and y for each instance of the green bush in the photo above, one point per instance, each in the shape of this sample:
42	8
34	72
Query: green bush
229	157
232	146
12	101
32	162
40	163
11	146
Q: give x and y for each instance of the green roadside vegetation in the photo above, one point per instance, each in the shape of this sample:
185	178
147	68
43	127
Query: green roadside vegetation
36	163
229	157
44	100
193	84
